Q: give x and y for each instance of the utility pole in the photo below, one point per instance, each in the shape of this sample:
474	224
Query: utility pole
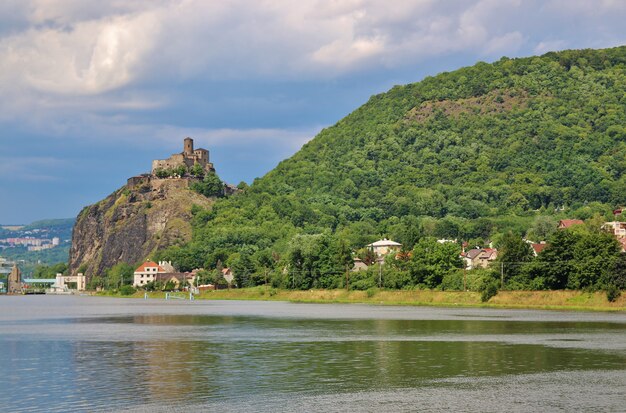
347	278
464	277
380	274
265	272
502	275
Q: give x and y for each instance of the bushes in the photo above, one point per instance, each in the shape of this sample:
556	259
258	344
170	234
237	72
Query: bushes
612	293
489	290
127	290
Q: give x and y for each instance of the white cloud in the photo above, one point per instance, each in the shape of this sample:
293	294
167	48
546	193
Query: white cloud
508	43
76	58
90	58
549	46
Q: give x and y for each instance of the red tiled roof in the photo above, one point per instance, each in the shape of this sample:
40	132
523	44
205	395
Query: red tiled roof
488	254
473	253
566	223
538	247
149	264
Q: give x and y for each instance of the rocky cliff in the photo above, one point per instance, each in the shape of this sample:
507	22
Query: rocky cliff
133	222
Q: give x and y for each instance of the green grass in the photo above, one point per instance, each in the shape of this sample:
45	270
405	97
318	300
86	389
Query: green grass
545	300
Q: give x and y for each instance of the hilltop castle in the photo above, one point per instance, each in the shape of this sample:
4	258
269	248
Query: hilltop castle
188	158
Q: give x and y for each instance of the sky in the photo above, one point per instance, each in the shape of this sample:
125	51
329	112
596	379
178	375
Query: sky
92	91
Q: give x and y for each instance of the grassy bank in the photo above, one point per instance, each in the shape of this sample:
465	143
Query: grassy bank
553	300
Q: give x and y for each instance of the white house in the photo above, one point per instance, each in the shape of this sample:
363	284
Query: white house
616	227
148	271
384	247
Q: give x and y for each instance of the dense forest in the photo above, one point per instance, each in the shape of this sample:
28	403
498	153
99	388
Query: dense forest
490	152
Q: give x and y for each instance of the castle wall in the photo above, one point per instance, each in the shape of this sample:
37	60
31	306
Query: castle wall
170	163
137	181
188	157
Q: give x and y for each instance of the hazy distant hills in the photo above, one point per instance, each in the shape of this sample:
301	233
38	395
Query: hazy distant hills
43	231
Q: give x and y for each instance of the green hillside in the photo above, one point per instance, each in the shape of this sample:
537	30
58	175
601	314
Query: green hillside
471	154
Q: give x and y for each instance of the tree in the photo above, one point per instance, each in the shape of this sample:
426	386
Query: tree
180	170
243	268
120	274
513	254
432	260
197	170
211	186
161	173
543	226
596	256
318	261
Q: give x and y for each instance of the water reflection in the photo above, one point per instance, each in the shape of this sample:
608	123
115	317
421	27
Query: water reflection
117	362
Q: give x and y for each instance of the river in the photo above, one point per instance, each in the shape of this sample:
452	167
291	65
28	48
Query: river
84	354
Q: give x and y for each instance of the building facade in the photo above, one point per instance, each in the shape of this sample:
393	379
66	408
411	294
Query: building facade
187	158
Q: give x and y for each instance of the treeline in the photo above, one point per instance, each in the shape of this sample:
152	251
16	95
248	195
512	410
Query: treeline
581	257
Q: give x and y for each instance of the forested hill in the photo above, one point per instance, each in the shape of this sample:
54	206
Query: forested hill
466	154
510	136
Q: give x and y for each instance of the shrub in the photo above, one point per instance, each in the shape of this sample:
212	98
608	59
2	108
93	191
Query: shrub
489	290
453	281
127	290
612	293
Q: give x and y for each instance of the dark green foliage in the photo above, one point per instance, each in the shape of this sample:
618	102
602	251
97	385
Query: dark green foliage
513	254
197	170
431	261
489	290
96	283
44	271
119	275
612	293
210	186
127	290
577	258
318	261
180	170
161	173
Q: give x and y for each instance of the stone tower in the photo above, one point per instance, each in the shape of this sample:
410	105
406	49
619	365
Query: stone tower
188	147
14	282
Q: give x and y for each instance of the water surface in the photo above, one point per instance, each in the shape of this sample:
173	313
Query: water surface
101	354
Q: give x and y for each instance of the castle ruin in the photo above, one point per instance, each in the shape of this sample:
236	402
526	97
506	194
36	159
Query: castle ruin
188	158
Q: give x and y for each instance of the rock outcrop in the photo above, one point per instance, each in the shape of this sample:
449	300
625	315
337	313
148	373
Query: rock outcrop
133	222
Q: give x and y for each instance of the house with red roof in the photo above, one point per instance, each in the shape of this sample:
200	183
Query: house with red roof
479	257
537	248
147	272
566	223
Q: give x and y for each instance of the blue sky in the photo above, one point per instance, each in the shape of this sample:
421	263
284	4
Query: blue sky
92	91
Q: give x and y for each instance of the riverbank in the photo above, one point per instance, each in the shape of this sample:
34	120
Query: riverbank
545	300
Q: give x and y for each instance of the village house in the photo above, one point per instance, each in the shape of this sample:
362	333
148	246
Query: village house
176	278
147	272
479	257
537	248
566	223
384	247
228	275
359	265
618	229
